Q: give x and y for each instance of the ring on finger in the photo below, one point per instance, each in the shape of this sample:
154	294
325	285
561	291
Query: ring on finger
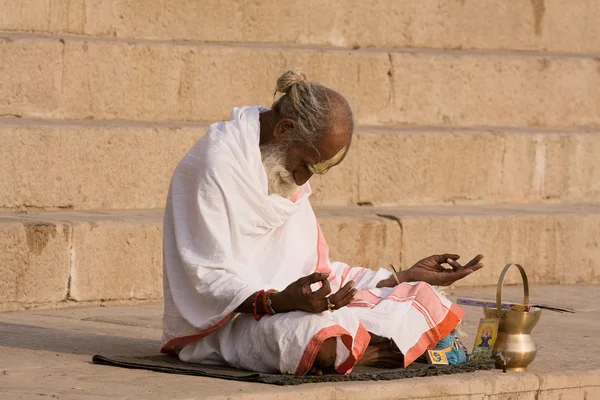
330	305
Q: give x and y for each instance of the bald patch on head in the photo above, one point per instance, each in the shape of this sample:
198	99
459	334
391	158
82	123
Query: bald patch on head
341	115
334	145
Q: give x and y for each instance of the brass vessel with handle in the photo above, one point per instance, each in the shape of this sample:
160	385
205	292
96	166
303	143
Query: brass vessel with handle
514	348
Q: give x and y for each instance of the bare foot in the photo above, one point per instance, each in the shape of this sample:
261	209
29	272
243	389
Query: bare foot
316	371
383	354
377	339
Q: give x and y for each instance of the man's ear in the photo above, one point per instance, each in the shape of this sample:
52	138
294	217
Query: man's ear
284	128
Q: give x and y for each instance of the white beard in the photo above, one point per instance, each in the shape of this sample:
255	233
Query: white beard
281	181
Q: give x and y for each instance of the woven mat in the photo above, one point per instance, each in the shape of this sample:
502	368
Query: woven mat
172	365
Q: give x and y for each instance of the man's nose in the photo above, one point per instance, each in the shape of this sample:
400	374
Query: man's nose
301	176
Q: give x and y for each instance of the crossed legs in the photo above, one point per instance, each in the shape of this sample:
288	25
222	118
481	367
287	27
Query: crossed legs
381	352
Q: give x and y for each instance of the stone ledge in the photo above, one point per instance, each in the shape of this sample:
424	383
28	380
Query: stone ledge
40	345
48	78
550	25
132	163
558	242
421	167
116	255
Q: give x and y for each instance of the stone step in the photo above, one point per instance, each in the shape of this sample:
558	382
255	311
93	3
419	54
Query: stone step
427	165
518	25
75	78
51	259
90	164
40	345
128	165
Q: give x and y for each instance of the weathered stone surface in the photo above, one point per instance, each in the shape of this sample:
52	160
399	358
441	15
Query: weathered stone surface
504	386
570	385
425	167
203	83
117	80
572	379
572	168
360	238
557	243
88	165
570	393
552	25
34	262
131	165
432	167
117	255
31	77
117	259
489	90
38	346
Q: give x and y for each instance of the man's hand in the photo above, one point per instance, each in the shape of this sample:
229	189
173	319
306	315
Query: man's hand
298	296
431	270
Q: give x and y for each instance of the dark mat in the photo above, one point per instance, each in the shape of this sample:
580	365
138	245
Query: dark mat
172	365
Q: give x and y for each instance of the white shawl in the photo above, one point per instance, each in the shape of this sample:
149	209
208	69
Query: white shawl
220	242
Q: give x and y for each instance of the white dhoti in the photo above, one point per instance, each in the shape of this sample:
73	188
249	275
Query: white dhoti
225	239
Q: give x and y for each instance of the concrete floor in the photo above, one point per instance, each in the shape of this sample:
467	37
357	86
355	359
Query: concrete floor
48	354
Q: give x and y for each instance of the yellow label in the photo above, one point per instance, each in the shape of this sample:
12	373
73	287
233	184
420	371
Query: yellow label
487	332
437	357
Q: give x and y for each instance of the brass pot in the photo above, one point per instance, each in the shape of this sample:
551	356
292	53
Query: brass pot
514	340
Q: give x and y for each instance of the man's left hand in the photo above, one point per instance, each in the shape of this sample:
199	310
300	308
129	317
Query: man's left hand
432	271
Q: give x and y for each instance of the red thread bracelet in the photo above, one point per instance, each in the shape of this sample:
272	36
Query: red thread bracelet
255	303
264	301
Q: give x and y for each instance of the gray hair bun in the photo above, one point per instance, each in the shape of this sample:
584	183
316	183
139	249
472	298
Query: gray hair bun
289	79
306	102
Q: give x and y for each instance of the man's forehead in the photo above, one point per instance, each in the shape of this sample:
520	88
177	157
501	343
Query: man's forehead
337	139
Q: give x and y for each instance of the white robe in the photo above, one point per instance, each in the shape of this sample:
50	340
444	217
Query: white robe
225	239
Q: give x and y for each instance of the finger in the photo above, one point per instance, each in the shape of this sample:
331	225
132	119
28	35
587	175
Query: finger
474	261
470	265
324	291
455	276
476	267
317	277
340	294
346	300
431	263
442	258
455	265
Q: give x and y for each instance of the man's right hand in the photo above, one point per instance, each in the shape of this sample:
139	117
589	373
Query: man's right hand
298	296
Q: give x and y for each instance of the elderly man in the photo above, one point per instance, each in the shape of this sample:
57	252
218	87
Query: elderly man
247	276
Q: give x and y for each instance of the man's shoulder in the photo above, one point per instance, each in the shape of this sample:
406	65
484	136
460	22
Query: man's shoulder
211	152
208	152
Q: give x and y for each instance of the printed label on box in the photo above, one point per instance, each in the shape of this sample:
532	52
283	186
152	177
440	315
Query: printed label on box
437	357
487	333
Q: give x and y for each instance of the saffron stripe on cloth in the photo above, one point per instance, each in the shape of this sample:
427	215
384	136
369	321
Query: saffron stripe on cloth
433	316
443	329
356	347
168	348
361	342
